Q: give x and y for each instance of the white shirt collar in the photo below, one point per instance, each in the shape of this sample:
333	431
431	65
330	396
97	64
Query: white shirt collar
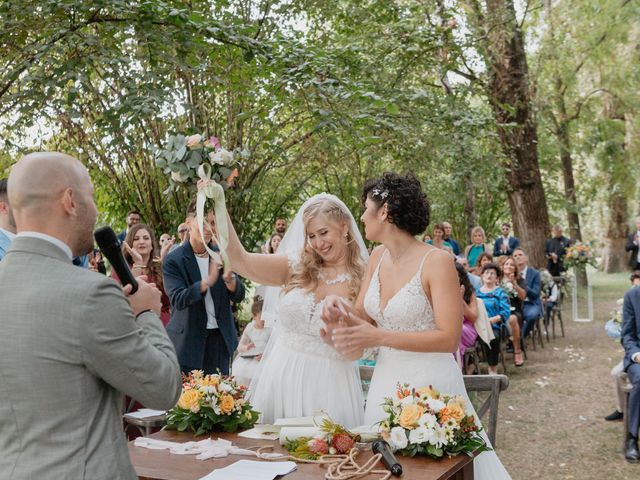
524	272
48	238
10	235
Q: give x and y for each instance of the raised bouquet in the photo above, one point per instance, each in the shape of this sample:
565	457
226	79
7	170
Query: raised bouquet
579	255
189	158
334	439
197	160
426	422
209	403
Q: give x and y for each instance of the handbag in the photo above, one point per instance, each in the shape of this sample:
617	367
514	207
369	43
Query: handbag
482	323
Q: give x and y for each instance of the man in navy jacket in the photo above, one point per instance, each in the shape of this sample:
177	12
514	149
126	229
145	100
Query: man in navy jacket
202	327
631	343
532	305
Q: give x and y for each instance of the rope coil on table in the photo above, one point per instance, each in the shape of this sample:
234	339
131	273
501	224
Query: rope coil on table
340	467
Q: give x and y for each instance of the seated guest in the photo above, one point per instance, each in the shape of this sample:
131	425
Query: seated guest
505	244
498	310
166	244
631	343
515	287
448	230
133	217
469	334
477	246
482	260
618	369
532	306
139	247
72	343
438	240
252	343
475	280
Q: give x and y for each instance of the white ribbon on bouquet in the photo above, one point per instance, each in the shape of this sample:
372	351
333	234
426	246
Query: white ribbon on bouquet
210	189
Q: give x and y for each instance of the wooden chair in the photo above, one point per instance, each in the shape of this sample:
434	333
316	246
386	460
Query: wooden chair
494	384
472	356
556	312
624	385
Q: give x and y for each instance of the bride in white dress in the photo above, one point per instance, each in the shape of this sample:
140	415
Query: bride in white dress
411	291
321	254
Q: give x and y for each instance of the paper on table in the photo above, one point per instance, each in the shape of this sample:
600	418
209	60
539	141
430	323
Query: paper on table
145	413
301	421
262	432
251	470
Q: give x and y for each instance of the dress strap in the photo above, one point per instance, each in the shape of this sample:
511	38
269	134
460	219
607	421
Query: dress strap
381	258
425	257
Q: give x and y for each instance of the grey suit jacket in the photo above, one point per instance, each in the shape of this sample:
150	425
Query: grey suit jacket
70	347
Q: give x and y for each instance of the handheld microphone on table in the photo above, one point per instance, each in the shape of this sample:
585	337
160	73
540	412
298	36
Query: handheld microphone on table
387	459
111	249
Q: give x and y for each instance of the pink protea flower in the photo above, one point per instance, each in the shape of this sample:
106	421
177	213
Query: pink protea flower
318	446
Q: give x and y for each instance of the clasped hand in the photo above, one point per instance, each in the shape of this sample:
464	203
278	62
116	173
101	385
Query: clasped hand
345	330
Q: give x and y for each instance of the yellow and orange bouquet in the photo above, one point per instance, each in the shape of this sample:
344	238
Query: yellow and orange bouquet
580	255
425	422
211	402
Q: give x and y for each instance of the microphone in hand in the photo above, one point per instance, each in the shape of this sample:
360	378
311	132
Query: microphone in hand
111	249
387	457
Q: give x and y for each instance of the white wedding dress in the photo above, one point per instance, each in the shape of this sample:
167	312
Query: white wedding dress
301	375
409	310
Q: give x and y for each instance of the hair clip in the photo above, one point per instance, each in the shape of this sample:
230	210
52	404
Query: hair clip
382	194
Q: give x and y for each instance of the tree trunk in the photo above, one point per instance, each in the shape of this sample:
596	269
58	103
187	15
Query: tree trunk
562	136
508	92
614	257
469	204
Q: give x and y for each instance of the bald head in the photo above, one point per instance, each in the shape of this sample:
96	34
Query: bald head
38	180
51	193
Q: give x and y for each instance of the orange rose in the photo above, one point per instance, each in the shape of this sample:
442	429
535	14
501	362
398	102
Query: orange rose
428	392
210	381
409	416
226	404
456	411
190	400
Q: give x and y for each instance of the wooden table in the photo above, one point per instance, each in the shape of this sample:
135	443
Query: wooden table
162	465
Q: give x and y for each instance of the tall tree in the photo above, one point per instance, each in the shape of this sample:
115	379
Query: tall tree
499	39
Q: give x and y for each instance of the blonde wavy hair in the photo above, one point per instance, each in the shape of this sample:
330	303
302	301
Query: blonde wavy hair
305	274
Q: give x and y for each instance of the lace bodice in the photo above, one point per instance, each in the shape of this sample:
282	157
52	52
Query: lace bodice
409	310
300	324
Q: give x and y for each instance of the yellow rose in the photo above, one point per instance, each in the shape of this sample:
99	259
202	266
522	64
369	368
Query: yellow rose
410	415
190	400
226	404
428	392
210	381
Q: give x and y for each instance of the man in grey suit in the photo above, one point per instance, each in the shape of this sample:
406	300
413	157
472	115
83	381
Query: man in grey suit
71	342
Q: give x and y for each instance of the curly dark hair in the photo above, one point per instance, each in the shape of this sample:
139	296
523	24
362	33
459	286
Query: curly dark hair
463	278
407	205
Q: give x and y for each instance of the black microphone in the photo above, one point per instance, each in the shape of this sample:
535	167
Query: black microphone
388	460
112	250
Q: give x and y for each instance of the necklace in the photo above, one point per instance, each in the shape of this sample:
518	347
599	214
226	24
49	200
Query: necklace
201	255
395	259
340	278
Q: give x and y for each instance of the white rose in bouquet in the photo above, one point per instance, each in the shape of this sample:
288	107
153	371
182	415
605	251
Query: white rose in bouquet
420	435
221	157
398	438
193	141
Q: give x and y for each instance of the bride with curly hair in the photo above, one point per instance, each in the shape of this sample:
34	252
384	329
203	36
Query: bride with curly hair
321	254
